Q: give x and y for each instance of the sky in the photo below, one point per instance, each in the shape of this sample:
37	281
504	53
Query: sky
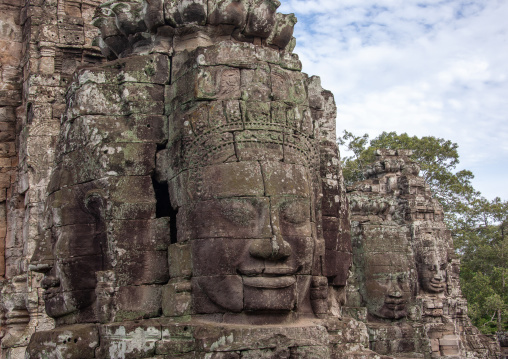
423	67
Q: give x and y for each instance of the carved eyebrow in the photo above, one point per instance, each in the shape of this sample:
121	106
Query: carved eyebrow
239	210
295	210
397	275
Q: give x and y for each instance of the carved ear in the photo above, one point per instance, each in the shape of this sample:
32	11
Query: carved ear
95	202
334	204
282	32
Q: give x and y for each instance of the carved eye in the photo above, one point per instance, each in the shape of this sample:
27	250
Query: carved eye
383	278
443	266
401	278
431	267
238	211
296	211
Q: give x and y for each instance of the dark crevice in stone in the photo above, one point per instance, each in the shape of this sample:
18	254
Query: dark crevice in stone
29	112
263	176
163	204
163	207
173	233
161	146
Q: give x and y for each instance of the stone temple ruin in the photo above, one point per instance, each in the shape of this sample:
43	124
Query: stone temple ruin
405	267
171	188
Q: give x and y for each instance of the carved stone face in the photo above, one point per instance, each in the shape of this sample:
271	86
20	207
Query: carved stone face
387	287
101	216
77	242
432	266
251	229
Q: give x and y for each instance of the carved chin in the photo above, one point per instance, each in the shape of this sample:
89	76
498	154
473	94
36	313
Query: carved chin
58	304
235	293
389	310
225	291
274	296
390	313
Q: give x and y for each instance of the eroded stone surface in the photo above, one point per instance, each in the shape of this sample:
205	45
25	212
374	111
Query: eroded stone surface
211	212
166	26
185	200
42	44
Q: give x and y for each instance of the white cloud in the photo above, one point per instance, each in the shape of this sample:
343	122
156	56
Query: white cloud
428	67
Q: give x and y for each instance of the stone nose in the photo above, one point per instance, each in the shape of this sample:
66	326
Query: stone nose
42	260
395	290
275	248
50	282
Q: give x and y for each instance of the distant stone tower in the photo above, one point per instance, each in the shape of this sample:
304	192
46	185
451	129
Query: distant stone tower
406	277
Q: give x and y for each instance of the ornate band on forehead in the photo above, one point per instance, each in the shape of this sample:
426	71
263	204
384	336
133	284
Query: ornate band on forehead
220	145
431	240
199	138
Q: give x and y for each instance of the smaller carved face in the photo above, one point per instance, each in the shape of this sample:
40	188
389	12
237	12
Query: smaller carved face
432	270
387	290
378	167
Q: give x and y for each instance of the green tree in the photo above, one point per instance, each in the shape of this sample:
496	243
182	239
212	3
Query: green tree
480	236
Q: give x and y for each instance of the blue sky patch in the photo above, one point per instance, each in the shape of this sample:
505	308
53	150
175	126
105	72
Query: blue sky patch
434	67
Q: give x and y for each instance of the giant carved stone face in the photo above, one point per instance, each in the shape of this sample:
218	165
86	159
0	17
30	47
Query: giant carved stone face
251	226
432	262
101	206
387	290
384	257
247	180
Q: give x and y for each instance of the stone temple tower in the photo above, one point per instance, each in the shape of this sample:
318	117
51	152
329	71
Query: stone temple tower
173	189
405	285
196	194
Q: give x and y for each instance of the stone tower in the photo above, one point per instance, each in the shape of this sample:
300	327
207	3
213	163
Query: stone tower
172	189
406	285
196	194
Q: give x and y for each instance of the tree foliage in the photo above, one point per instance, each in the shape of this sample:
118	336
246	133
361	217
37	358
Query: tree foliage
479	226
480	236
